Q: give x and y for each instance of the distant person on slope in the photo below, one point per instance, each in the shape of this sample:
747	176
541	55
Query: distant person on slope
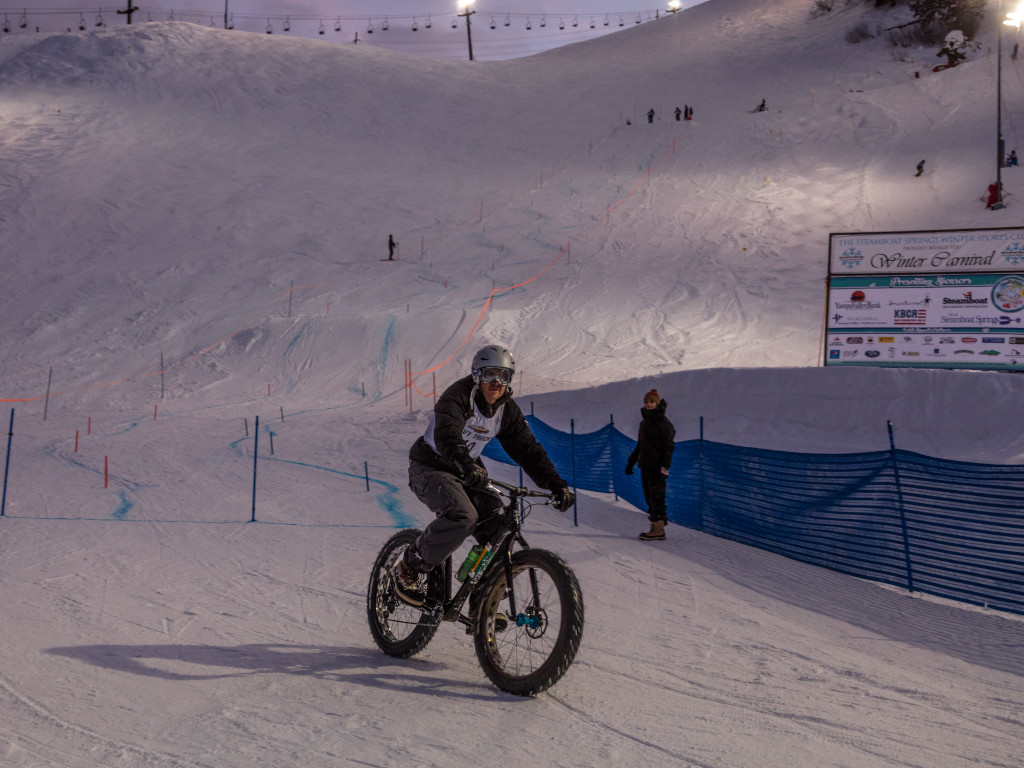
650	116
920	168
446	474
391	247
654	447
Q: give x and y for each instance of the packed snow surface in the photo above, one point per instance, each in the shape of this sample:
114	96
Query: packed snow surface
194	228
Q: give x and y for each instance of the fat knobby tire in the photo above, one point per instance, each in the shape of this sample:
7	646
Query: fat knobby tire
537	646
399	630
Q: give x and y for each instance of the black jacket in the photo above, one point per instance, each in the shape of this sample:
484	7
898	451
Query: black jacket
655	440
514	434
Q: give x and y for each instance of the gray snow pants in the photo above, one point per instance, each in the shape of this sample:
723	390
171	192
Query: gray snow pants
458	512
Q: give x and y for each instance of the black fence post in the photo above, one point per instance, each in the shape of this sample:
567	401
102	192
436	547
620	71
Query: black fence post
615	488
899	501
702	479
572	446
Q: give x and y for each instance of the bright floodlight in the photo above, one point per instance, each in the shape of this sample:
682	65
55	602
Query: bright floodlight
1014	18
465	4
674	5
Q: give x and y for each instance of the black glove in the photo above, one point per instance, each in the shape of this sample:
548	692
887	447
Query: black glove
474	476
562	499
629	468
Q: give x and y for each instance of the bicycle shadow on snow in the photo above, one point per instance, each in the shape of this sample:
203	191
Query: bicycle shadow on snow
361	666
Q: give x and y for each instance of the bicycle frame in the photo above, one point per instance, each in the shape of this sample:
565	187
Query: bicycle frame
502	541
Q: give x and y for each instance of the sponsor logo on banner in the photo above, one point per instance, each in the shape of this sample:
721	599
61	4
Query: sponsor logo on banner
858	300
910	316
872	353
993	339
1008	293
966	299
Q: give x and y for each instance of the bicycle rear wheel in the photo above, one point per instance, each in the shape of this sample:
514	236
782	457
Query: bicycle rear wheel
537	645
399	629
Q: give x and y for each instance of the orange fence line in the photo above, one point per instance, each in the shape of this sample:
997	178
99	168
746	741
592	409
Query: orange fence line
412	385
483	311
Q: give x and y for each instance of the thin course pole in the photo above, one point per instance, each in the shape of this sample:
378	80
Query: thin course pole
255	458
46	402
7	465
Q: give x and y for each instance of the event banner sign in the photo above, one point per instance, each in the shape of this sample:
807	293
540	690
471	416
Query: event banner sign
938	299
916	253
936	321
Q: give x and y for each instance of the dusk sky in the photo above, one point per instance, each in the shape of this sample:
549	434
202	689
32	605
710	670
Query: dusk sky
551	24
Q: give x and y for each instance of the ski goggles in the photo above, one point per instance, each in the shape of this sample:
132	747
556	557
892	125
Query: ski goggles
501	375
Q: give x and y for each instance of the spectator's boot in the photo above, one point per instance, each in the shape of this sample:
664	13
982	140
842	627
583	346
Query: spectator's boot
657	532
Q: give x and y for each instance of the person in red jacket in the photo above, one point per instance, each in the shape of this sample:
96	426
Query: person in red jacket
654	447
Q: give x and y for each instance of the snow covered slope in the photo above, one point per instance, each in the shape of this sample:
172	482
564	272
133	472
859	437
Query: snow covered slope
193	225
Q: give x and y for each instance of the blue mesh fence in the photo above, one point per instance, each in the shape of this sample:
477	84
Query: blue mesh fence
950	529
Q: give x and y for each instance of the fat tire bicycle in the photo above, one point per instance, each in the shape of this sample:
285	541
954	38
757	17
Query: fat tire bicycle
525	607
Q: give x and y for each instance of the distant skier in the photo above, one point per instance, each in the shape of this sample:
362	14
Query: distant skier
391	247
920	168
650	116
761	107
679	114
688	113
1012	159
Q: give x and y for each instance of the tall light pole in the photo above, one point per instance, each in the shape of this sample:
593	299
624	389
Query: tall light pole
467	12
673	7
998	204
1013	19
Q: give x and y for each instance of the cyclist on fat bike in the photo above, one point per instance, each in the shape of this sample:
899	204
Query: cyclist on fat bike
446	474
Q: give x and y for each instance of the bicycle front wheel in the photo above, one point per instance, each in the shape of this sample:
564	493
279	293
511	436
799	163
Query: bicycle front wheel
529	652
399	629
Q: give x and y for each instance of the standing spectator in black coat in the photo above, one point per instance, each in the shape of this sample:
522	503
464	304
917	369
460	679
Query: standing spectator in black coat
654	447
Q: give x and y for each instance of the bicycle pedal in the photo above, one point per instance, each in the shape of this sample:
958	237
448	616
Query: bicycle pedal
432	609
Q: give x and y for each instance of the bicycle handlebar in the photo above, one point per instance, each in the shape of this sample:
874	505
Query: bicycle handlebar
519	490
